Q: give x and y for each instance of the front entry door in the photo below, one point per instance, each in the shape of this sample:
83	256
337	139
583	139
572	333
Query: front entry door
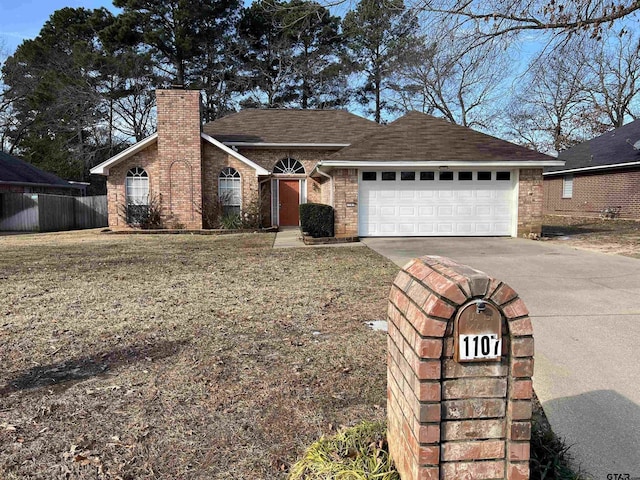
289	203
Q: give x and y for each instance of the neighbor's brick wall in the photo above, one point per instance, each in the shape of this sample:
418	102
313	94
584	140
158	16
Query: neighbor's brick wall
179	156
594	192
530	201
147	159
213	161
345	191
447	420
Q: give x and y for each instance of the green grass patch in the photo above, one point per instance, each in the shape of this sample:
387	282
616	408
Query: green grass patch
361	453
356	453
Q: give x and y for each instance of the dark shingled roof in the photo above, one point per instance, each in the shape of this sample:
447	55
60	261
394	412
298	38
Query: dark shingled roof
611	148
420	137
14	170
290	126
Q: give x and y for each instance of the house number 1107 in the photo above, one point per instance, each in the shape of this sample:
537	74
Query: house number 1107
474	347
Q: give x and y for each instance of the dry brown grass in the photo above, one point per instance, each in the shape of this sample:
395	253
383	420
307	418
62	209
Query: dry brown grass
621	237
182	356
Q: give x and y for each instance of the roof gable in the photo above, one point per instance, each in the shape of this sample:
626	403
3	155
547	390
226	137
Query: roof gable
290	126
420	137
15	170
103	168
612	148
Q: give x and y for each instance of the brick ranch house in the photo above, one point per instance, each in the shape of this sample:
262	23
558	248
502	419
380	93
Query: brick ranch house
602	173
417	176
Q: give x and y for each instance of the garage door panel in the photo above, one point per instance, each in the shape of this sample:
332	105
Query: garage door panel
407	194
388	211
464	228
483	210
406	228
464	210
502	211
426	211
407	211
426	228
446	194
426	194
387	228
445	210
436	208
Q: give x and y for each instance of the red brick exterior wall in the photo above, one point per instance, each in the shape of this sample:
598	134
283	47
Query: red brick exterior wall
179	155
594	192
450	420
213	161
116	197
530	201
345	201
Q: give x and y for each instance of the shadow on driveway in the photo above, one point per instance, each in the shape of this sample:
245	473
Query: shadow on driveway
605	444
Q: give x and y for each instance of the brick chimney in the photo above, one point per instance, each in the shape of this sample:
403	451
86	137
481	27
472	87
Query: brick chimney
180	157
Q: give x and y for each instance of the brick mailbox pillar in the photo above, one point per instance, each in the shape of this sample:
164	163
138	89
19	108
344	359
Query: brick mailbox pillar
460	363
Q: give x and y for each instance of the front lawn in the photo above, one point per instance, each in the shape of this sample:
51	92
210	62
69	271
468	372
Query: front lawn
616	236
182	356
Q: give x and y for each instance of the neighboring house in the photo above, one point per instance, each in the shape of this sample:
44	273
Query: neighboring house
18	176
418	176
600	176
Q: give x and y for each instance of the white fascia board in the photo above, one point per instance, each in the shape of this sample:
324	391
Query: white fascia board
287	145
435	164
259	170
590	169
103	168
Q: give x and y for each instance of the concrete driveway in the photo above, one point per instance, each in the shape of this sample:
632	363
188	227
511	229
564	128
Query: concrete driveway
586	316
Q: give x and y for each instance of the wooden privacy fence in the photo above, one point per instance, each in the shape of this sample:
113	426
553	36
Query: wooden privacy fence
37	212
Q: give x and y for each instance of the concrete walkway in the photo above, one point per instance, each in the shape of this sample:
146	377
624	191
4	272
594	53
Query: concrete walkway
586	316
290	237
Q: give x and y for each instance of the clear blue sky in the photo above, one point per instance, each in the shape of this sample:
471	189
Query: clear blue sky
23	19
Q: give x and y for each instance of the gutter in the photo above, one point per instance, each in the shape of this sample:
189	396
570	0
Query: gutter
589	169
31	184
287	145
435	164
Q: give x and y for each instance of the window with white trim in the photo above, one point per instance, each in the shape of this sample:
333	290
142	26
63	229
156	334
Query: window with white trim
567	186
229	191
136	189
289	166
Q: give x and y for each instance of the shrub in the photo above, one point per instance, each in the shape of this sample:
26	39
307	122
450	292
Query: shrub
146	217
358	452
316	219
231	221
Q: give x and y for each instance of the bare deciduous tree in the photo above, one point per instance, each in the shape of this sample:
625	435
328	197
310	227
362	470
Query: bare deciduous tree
614	77
445	78
551	111
500	17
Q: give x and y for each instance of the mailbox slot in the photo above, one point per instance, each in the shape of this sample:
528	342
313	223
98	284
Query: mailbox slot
477	333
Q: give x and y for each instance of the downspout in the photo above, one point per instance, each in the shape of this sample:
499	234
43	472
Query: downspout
330	183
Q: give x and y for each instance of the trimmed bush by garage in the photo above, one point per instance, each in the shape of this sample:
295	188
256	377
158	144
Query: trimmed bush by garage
316	219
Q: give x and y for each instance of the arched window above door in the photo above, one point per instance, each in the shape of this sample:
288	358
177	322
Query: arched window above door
289	166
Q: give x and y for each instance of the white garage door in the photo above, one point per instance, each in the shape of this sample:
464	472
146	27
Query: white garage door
436	203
